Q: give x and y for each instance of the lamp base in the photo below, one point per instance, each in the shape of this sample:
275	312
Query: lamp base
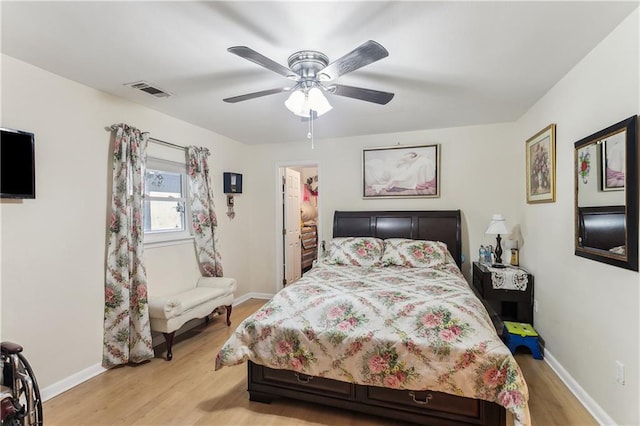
498	250
498	265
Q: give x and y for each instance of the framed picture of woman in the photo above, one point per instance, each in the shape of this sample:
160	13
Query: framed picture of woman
401	172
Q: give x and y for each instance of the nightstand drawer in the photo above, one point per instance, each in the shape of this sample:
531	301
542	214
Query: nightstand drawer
507	295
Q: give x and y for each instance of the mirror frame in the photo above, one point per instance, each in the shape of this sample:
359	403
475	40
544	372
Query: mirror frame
630	259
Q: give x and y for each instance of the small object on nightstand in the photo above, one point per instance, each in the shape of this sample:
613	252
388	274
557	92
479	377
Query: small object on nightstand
515	260
498	265
488	255
513	246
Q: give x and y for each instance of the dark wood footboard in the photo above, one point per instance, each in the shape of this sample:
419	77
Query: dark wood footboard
422	407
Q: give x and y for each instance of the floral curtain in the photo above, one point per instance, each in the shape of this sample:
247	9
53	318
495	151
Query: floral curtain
203	216
127	333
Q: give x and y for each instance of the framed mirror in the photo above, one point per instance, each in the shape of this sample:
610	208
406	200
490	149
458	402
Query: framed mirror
606	198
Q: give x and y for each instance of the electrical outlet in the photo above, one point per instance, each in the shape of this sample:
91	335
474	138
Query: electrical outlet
620	372
535	305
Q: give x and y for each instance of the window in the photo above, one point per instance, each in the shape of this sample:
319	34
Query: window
165	202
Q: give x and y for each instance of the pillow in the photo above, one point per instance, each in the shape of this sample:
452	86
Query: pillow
355	251
414	253
308	211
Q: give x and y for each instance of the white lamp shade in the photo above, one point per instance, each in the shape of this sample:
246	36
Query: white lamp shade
498	225
318	102
298	104
301	103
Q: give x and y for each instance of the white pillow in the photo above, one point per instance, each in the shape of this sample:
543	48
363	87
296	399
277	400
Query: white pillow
355	251
414	253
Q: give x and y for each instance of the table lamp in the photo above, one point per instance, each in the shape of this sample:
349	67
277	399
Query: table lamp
497	226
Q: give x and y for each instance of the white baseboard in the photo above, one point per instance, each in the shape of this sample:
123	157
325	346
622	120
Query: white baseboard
248	296
592	407
90	372
71	381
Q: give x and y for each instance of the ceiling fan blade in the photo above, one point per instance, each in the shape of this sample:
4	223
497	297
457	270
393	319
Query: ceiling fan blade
362	55
263	61
368	95
254	95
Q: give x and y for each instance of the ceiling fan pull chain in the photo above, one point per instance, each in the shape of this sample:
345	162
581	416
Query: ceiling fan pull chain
310	134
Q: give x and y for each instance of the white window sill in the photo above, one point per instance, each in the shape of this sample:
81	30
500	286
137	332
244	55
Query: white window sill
165	240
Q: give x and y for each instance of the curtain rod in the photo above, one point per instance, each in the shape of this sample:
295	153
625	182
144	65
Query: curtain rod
169	144
158	141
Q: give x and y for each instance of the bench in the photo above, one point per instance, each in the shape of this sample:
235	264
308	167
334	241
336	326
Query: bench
168	313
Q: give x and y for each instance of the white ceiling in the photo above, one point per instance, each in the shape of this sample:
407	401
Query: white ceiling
450	63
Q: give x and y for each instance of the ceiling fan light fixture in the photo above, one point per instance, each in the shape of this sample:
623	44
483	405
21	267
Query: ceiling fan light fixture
318	102
298	103
302	102
311	69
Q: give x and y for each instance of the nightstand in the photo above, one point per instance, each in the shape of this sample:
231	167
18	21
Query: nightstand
511	305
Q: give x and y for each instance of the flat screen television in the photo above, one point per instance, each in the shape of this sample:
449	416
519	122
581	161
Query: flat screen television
17	164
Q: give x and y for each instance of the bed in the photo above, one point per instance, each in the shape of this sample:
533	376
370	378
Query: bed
408	340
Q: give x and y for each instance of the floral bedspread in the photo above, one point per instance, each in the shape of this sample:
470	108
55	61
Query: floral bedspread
396	327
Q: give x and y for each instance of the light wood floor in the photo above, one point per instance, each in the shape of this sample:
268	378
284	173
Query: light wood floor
187	391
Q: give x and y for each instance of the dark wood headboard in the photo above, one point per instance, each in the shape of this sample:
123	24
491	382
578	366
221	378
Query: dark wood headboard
602	227
434	225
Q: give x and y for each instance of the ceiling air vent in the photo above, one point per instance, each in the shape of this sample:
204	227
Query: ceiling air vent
148	88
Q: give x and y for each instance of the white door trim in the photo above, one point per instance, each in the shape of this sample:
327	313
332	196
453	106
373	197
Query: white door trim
280	166
293	252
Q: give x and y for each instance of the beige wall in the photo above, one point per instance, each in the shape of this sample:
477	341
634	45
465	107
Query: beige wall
53	247
588	311
477	176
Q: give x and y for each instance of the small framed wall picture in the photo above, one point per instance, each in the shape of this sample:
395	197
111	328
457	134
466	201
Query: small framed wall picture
541	166
232	183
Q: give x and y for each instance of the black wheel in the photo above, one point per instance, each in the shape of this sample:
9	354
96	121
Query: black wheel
26	394
37	400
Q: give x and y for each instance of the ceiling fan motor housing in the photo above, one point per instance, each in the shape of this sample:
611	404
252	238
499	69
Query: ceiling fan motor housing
307	63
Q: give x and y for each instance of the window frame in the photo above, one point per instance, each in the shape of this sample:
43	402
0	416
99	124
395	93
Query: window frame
169	237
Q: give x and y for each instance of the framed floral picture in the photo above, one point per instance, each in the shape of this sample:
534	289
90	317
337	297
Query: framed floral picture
541	166
401	172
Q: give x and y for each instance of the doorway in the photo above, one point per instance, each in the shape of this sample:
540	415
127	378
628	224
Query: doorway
298	220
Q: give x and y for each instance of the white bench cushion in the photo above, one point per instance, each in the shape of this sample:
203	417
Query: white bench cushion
172	306
169	313
227	284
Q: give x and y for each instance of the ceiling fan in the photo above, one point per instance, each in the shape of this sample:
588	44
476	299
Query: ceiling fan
313	75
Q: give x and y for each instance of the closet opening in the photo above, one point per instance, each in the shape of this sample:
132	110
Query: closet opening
298	221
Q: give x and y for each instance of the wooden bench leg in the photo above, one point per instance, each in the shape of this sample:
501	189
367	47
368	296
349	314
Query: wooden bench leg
168	337
229	307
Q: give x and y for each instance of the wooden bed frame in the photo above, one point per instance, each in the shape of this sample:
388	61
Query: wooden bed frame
423	407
